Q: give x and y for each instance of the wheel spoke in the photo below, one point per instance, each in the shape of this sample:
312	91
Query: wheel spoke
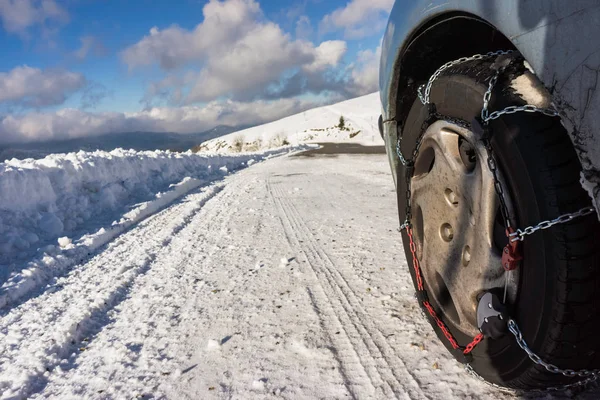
459	205
446	141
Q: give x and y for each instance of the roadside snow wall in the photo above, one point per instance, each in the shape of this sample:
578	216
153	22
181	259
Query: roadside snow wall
73	203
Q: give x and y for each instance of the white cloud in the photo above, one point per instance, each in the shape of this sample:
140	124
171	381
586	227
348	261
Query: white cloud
359	18
304	28
93	94
170	89
37	88
89	44
365	73
224	23
71	123
359	78
245	67
234	51
19	15
328	54
86	45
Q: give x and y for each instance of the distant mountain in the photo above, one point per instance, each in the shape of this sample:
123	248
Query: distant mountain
129	140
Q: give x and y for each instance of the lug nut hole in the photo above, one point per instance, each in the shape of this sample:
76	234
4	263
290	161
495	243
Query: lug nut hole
447	233
466	256
451	197
467	154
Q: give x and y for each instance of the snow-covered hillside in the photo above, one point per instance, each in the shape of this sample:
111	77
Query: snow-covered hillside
56	210
319	125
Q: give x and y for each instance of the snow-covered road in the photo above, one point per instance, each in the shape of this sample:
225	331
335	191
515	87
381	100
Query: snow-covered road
284	280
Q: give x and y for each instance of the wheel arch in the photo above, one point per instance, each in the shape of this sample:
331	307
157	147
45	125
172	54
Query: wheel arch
445	37
421	37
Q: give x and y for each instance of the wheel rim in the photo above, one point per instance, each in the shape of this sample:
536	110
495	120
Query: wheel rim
458	231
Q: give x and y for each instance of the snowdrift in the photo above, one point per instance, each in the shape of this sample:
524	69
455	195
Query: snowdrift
56	210
319	125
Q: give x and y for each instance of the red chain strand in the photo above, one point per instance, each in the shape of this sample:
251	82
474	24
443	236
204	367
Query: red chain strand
441	325
474	343
413	250
429	307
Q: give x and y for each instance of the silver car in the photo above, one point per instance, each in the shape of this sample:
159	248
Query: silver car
490	116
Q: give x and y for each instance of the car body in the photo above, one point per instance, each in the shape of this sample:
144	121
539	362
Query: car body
559	39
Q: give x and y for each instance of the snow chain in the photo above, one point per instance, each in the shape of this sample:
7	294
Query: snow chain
511	254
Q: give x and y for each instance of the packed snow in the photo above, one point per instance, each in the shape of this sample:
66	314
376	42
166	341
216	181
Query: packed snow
319	125
283	280
56	210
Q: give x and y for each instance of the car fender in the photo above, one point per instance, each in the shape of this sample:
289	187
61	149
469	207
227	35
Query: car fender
559	39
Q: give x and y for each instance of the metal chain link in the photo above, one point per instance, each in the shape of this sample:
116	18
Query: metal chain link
591	375
514	329
403	159
526	108
504	389
424	92
420	94
472	372
487	96
520	234
492	165
486	117
425	97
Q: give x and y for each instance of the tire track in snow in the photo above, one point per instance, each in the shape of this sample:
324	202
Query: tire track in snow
343	314
387	365
40	334
347	379
356	374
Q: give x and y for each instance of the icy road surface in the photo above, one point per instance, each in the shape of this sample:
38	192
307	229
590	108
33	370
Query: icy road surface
284	280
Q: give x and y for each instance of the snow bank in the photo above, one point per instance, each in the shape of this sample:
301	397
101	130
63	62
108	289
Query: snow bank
56	210
318	125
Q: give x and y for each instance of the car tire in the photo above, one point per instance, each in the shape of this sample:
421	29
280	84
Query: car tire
558	302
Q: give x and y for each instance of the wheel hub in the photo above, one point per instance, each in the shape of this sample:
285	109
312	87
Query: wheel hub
455	207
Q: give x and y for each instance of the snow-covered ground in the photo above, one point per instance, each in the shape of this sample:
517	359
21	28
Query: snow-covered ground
283	280
319	125
215	276
57	210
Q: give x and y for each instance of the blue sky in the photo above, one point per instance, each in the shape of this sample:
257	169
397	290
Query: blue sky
82	67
